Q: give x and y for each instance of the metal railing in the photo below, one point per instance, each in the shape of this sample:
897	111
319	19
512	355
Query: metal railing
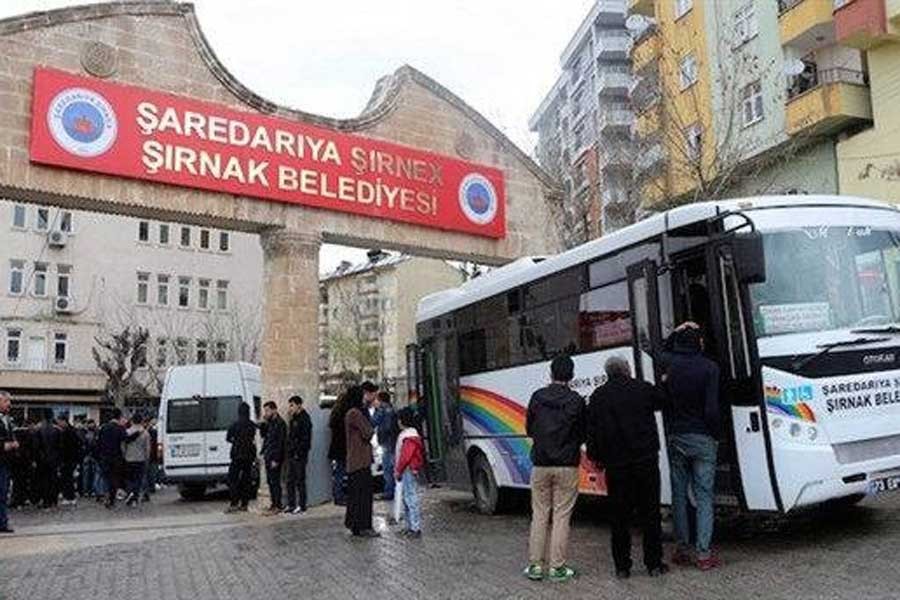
786	5
811	80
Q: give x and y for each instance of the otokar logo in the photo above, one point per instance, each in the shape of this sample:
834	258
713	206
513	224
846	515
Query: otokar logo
478	199
82	121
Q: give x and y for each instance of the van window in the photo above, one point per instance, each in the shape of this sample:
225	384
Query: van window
202	414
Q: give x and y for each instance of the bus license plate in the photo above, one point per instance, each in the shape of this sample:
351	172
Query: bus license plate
185	450
884	484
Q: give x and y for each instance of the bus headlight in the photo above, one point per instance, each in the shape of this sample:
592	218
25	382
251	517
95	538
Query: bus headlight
795	429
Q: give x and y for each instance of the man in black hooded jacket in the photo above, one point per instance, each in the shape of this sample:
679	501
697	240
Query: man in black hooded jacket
242	437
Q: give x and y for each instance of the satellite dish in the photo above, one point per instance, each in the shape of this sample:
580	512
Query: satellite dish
795	66
635	23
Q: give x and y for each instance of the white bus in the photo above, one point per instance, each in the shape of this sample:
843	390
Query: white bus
799	300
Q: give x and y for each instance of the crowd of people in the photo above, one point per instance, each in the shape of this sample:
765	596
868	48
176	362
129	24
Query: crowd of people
619	427
53	461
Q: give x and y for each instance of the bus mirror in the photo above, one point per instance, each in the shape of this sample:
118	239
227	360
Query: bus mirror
749	257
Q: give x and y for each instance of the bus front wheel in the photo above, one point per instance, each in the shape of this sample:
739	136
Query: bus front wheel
484	485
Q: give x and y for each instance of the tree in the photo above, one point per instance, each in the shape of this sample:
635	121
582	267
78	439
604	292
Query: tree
355	326
121	356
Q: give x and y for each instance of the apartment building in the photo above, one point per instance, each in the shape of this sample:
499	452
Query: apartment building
742	97
69	278
584	125
367	317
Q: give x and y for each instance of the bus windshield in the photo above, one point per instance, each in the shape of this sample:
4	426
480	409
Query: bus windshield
821	278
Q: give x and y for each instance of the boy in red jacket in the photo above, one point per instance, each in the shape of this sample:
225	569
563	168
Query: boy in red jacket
410	453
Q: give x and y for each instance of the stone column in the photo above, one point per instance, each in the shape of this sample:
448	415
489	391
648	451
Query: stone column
290	350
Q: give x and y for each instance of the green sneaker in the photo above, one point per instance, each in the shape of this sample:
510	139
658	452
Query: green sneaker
534	572
562	574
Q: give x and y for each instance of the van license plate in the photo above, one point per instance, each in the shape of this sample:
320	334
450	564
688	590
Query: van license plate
185	450
885	484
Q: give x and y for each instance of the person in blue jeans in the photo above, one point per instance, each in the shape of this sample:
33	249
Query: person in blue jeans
692	430
387	430
410	453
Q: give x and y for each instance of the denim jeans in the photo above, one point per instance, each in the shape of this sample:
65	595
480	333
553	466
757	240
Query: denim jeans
387	463
89	473
411	508
692	461
338	481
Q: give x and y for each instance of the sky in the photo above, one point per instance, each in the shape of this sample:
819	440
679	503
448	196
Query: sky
500	56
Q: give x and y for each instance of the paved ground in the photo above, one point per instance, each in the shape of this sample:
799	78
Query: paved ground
177	550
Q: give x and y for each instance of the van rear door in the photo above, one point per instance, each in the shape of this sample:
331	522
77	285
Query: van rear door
219	413
185	437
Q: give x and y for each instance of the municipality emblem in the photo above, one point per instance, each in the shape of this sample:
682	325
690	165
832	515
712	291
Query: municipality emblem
82	121
478	199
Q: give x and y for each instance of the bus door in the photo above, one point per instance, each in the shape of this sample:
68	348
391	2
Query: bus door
643	298
745	467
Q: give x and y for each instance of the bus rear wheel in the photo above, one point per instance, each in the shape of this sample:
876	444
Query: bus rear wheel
484	485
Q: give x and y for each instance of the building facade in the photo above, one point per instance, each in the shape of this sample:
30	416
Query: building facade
367	317
71	277
742	97
584	125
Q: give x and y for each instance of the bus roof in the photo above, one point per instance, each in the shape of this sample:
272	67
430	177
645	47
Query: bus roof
525	270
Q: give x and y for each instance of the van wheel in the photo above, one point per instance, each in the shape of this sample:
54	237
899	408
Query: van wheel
192	491
484	485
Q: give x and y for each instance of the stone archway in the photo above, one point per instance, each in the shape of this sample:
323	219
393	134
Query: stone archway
159	46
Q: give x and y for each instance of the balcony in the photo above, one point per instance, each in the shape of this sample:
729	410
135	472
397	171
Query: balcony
612	44
615	153
615	118
641	7
612	12
651	155
646	50
837	99
806	24
645	93
862	24
614	81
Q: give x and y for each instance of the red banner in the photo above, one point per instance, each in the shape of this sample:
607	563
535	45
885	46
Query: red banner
94	125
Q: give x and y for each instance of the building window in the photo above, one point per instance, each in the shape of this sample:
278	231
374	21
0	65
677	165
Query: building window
161	352
184	292
745	26
143	231
222	294
687	70
40	279
693	138
16	276
682	7
202	348
752	103
204	239
164	234
60	348
13	345
221	351
63	281
203	294
224	241
181	351
143	288
20	216
65	221
185	237
162	290
43	219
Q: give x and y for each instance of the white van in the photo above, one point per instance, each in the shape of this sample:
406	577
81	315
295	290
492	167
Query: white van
198	404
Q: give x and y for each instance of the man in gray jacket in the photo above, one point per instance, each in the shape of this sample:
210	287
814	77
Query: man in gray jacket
137	453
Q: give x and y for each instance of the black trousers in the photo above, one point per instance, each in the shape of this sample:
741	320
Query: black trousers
634	494
359	501
296	481
47	475
67	480
240	480
113	471
273	479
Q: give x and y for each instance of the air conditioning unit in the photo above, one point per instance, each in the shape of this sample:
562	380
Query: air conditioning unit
63	305
57	239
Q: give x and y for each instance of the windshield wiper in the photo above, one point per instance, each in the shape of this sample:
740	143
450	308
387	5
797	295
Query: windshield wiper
891	329
826	348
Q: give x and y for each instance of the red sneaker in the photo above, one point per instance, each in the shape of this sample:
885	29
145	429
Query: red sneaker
682	558
710	562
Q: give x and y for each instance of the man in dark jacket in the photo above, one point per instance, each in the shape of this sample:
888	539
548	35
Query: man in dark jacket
8	448
70	452
337	450
110	440
387	429
692	429
274	432
48	463
299	443
555	423
623	439
242	437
